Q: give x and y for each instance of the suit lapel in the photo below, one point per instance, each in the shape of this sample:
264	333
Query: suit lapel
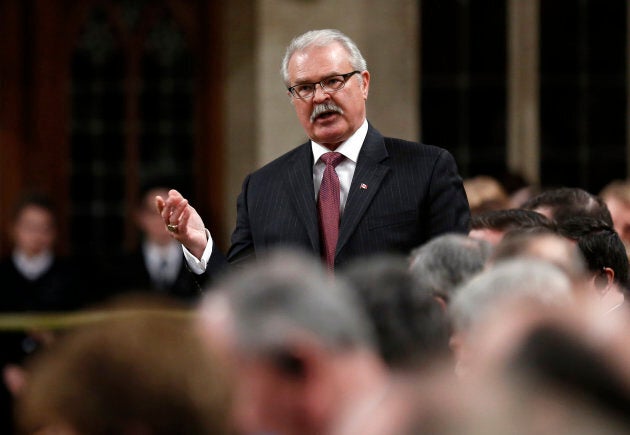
302	192
367	179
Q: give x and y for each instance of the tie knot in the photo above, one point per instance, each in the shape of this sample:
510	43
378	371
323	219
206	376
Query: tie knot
332	158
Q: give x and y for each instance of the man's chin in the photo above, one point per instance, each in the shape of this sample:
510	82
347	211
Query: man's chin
330	139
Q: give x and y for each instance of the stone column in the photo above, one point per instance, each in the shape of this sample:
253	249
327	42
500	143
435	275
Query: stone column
523	89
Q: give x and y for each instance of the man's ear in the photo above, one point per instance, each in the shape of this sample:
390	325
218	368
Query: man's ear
604	279
366	84
442	301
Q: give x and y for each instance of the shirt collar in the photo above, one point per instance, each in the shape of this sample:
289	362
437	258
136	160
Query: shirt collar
32	267
156	253
350	148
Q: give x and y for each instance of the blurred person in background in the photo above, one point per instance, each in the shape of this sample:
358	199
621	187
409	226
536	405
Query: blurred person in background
35	278
616	195
605	257
485	193
523	280
157	265
544	245
543	369
493	225
518	188
444	263
411	326
566	202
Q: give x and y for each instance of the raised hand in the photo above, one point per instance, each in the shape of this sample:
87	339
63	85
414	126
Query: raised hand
183	222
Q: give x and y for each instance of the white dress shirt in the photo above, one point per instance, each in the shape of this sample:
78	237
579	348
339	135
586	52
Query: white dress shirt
32	267
345	171
163	262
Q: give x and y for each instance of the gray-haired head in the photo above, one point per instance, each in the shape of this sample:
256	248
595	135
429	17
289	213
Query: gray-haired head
322	38
447	261
287	295
525	278
411	326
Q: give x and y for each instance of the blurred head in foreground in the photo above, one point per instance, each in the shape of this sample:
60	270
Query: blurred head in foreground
411	325
140	371
302	347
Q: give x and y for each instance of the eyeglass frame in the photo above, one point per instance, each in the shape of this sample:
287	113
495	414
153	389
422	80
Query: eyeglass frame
345	77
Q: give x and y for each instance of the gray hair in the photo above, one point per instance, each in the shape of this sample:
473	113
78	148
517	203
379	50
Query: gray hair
322	38
447	261
288	294
524	278
411	326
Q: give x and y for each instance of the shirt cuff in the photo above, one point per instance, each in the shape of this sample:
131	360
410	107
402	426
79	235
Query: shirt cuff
195	264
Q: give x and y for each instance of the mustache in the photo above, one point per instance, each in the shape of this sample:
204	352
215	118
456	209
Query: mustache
328	107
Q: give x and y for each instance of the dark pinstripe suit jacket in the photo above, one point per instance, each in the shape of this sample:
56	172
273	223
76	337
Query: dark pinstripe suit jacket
402	194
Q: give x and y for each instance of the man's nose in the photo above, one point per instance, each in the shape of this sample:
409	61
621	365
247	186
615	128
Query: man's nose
319	94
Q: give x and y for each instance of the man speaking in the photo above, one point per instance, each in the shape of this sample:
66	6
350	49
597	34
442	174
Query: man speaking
348	191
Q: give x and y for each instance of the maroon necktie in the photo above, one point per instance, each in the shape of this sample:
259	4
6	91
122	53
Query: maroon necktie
328	207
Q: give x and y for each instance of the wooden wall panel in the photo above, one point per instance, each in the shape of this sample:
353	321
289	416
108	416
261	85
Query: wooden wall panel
12	111
35	76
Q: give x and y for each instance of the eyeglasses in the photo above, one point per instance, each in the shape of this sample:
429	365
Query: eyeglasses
336	83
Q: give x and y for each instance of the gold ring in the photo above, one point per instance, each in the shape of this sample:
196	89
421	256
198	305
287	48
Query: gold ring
172	228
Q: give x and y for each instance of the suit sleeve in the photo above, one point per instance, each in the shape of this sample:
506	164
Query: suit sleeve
448	206
242	247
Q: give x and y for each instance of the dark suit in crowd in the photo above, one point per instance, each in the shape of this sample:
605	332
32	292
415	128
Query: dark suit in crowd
402	194
136	277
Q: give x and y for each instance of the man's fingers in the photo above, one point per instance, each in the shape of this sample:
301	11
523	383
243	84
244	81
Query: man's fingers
185	216
159	204
177	211
175	194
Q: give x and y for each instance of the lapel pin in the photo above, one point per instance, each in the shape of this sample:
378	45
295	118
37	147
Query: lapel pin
363	186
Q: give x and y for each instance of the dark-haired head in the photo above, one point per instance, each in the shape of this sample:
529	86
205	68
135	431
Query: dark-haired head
600	245
566	202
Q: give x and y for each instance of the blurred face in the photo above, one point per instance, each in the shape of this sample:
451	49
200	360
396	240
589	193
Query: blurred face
491	342
344	110
34	230
489	235
267	401
620	213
